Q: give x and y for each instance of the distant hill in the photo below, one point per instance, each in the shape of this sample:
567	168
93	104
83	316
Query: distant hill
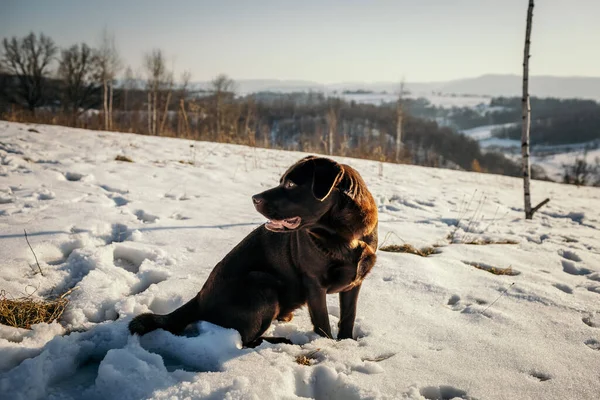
485	85
510	85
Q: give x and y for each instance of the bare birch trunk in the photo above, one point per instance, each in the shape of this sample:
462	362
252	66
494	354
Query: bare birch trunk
126	95
154	111
400	115
251	137
332	122
105	102
218	132
185	118
399	132
526	109
165	114
149	113
110	107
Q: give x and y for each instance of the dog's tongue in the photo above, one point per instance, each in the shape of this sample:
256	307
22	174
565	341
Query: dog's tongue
290	223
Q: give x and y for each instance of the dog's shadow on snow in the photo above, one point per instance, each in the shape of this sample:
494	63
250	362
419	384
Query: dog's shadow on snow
141	229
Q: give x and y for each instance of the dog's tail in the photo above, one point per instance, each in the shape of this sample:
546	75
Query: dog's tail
174	322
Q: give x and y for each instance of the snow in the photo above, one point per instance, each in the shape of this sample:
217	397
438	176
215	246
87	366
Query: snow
143	236
554	164
551	158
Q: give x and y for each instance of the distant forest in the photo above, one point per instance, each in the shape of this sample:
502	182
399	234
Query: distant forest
554	121
87	87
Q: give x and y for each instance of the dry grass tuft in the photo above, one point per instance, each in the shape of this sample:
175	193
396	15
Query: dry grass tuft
494	270
123	158
483	242
26	311
307	359
408	248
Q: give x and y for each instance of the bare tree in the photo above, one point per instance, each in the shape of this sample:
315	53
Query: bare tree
250	121
186	77
29	60
109	63
526	108
157	78
222	87
332	121
78	70
581	172
128	85
399	117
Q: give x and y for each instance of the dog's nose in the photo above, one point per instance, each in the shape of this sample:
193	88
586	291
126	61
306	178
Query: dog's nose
257	200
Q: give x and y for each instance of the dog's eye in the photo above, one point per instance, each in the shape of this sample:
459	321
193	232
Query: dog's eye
289	185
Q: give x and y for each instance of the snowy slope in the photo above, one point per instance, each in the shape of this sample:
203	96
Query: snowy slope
134	237
554	164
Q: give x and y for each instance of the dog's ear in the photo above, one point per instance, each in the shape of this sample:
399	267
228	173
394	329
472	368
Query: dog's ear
327	174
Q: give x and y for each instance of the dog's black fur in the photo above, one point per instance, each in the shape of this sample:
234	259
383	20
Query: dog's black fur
321	239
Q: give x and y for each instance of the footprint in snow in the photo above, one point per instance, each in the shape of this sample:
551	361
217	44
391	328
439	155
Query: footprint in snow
113	189
119	200
131	258
45	194
570	268
443	393
145	217
179	217
594	289
563	288
594	277
570	255
593	344
540	376
75	176
593	321
147	279
118	234
454	300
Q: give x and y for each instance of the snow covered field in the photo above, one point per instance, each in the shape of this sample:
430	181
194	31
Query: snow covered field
134	237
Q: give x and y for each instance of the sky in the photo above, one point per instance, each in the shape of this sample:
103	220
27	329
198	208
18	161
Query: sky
327	41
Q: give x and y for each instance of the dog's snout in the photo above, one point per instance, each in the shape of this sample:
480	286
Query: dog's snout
256	199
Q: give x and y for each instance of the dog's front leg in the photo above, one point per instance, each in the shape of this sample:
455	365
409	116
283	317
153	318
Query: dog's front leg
317	307
348	302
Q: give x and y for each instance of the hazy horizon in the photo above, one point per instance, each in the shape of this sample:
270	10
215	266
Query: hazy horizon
334	42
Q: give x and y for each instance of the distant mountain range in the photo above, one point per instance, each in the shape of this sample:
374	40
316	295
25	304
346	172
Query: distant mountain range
485	85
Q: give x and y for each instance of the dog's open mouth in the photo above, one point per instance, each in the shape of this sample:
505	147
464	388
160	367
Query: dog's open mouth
282	225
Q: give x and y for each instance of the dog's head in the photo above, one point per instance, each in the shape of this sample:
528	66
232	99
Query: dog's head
305	193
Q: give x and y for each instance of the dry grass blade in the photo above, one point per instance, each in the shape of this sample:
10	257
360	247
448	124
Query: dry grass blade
34	256
26	311
123	158
408	248
494	270
482	242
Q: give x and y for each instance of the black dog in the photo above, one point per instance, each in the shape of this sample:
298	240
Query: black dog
321	238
